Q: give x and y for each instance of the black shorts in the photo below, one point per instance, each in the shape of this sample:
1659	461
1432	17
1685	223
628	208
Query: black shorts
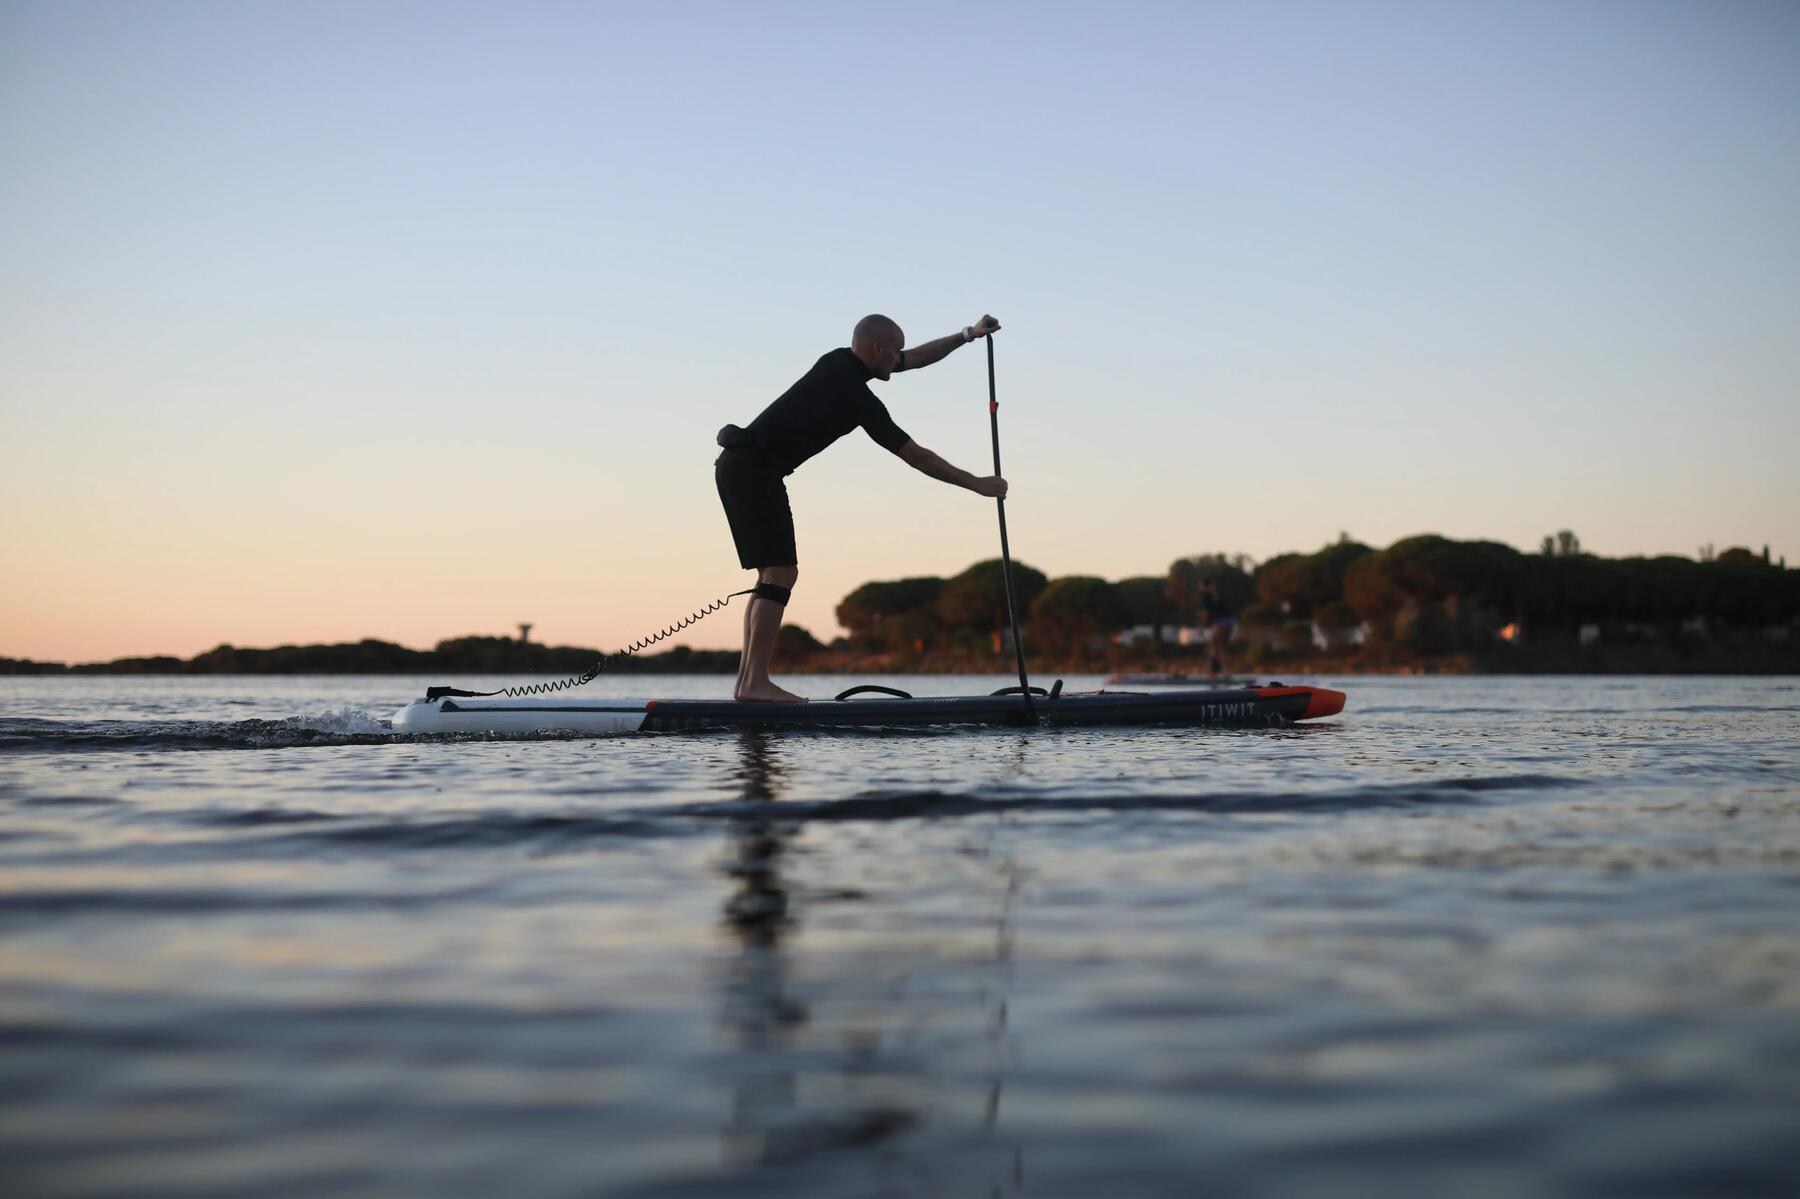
756	504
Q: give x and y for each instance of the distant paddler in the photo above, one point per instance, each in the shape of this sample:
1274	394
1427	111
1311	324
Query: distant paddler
1220	625
827	402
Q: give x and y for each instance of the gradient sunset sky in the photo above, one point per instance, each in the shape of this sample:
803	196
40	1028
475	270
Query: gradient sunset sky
329	320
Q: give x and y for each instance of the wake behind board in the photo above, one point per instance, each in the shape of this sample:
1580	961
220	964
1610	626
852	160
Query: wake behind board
1272	705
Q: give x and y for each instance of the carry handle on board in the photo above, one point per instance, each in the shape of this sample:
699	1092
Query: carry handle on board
1055	690
876	689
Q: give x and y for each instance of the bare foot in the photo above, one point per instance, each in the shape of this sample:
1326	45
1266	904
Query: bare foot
768	693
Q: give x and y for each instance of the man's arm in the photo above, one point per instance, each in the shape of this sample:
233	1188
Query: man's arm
933	351
926	462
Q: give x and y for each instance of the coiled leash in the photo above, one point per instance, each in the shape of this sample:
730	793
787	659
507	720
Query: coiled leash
773	592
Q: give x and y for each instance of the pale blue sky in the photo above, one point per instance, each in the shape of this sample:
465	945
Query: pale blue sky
410	320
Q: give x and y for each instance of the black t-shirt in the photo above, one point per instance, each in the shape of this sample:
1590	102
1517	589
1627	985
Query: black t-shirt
829	400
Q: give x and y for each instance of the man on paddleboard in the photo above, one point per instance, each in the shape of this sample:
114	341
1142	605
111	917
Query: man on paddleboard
828	401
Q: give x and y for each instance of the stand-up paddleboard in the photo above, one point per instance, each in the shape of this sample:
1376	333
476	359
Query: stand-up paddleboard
1271	705
528	708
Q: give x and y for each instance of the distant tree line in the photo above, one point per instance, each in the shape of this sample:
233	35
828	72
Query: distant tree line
1425	593
1432	593
459	655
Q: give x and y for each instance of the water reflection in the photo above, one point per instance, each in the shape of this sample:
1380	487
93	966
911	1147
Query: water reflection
759	1012
861	1056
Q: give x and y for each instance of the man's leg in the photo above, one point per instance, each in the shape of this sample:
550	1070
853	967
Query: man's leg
762	620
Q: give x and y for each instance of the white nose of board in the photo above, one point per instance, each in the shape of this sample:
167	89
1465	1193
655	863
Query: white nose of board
486	716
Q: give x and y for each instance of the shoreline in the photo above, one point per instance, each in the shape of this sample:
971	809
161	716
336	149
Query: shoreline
1745	658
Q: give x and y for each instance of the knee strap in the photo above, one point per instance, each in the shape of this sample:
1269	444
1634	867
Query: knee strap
772	591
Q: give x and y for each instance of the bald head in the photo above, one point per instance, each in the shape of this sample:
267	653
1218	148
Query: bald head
877	329
878	340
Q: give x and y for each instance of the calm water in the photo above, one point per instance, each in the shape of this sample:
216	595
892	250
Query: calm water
1475	936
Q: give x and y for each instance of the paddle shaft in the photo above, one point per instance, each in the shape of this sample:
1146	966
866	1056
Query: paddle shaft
1012	610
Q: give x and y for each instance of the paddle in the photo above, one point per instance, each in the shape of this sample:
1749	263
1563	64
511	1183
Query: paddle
1012	611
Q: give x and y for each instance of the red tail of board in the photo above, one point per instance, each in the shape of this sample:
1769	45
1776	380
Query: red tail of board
1320	701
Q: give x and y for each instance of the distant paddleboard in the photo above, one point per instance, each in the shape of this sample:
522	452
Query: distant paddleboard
1175	680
